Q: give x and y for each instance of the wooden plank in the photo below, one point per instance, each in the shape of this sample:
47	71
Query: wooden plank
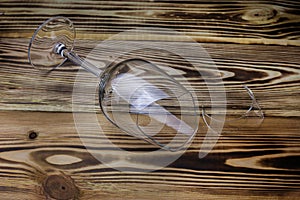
272	72
246	163
42	156
247	22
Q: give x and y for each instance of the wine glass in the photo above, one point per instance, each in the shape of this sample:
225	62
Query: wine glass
161	110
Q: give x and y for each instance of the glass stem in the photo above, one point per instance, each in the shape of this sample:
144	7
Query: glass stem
72	56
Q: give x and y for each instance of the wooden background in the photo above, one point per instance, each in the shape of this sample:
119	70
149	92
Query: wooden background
255	42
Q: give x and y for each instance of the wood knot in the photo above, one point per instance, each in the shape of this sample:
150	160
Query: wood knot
60	187
263	15
33	135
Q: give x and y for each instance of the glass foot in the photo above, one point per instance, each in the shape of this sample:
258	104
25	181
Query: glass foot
53	31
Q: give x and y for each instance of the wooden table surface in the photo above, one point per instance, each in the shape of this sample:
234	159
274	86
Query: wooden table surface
252	42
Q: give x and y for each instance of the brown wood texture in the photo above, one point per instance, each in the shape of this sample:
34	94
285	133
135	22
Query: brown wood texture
245	164
261	22
252	42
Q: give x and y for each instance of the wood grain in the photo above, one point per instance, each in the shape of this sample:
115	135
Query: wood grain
251	42
250	163
247	22
274	79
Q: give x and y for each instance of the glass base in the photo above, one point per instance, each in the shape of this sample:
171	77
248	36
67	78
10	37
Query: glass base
53	31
